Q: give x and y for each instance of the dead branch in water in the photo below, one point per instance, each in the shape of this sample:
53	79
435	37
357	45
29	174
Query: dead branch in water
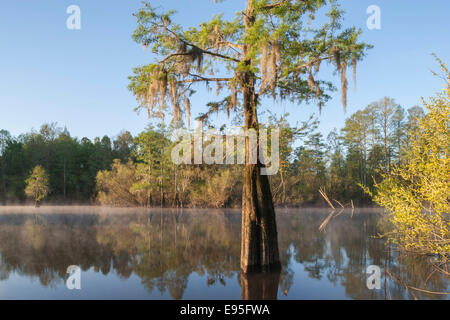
339	203
440	269
353	207
413	288
339	213
326	199
330	216
325	222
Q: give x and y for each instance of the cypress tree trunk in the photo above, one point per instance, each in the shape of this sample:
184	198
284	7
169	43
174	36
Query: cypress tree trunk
259	240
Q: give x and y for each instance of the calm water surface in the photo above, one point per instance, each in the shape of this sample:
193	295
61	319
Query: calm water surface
194	254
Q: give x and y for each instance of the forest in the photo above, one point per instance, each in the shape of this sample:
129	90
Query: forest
128	170
384	171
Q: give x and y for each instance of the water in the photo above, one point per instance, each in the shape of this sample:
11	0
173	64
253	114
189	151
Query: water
194	254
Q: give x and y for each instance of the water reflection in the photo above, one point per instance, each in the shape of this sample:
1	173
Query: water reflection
195	254
260	286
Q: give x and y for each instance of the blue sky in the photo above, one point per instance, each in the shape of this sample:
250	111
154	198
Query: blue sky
79	78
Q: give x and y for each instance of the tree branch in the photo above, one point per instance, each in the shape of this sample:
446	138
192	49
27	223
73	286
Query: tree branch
200	79
173	55
193	45
230	44
264	89
272	6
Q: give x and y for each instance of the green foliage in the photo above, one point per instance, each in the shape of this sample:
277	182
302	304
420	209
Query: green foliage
375	140
71	164
221	189
274	43
308	162
415	193
37	184
114	186
153	170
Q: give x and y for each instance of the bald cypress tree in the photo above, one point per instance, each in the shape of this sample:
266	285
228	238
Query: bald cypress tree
270	49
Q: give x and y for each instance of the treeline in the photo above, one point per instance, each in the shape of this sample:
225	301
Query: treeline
138	171
72	164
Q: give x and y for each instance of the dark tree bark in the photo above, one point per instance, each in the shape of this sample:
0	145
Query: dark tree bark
259	240
260	286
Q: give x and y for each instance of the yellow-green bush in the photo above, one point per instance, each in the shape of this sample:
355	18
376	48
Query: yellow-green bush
416	193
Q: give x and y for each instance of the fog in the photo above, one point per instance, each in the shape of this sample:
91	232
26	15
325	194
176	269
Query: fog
11	209
78	209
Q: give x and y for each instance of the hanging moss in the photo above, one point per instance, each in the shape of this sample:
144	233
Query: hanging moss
344	84
187	106
354	62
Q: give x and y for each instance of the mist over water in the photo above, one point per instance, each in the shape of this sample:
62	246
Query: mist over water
194	254
47	210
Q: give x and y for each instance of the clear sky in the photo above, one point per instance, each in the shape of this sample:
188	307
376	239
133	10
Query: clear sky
78	78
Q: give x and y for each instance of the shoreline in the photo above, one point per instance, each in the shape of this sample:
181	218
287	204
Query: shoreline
90	209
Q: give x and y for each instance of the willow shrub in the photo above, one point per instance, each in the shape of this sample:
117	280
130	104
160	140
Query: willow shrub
416	194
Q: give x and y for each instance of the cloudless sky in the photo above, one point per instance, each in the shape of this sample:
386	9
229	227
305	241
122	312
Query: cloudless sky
78	78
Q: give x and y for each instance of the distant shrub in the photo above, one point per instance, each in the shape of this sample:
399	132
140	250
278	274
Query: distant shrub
37	185
114	186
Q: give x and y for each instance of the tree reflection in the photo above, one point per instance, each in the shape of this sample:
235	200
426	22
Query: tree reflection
260	286
164	248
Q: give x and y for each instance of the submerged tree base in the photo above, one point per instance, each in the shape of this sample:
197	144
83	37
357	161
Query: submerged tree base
259	242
